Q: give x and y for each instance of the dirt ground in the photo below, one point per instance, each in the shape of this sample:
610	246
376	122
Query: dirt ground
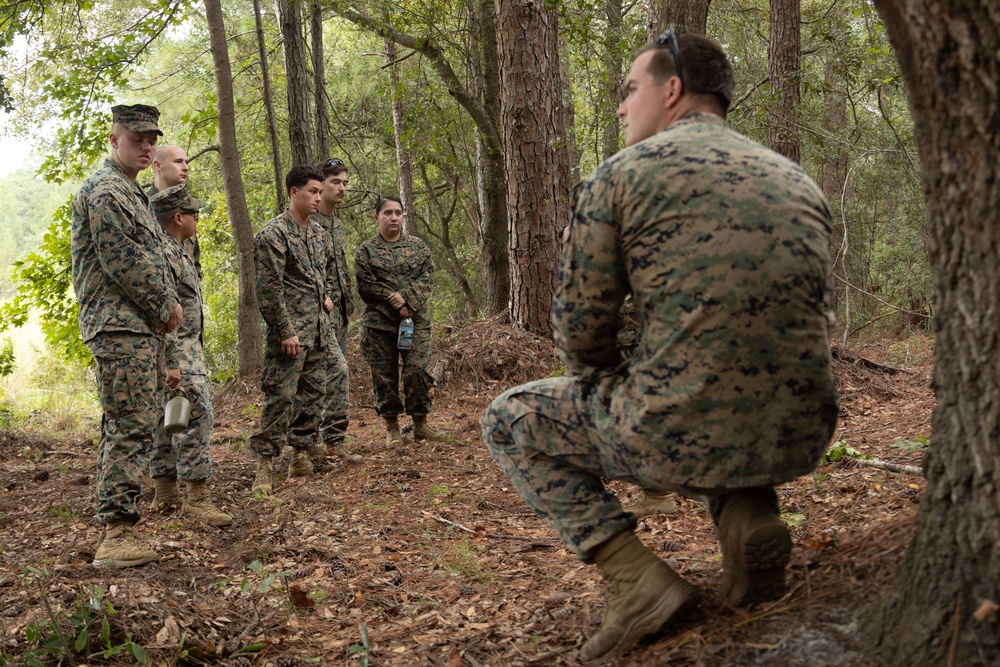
425	555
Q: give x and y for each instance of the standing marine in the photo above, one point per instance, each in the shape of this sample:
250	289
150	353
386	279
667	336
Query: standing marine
725	246
128	309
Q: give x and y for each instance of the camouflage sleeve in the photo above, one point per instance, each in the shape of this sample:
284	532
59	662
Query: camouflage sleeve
269	251
420	282
370	288
332	279
593	282
128	262
348	287
173	354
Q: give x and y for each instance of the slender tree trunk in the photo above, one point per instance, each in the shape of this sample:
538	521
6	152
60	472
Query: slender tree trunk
490	168
272	124
783	72
613	63
405	174
534	139
249	346
938	611
297	80
686	16
319	81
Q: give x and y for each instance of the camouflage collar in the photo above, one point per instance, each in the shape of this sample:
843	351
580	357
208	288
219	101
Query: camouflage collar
698	117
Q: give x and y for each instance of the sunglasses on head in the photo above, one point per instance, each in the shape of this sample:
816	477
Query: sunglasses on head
333	162
669	39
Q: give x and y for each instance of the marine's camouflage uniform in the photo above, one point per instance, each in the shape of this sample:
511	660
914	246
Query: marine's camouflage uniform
291	264
191	245
725	246
337	413
124	289
187	454
381	268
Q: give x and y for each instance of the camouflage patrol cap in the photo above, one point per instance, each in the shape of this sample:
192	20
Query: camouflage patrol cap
176	198
136	117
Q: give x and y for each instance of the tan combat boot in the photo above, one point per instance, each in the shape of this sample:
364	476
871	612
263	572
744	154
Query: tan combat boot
651	502
643	595
343	452
265	474
166	497
118	548
199	503
301	464
755	549
393	436
424	431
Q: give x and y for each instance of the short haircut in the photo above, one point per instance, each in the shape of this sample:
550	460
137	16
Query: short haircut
299	175
329	169
706	69
165	216
385	200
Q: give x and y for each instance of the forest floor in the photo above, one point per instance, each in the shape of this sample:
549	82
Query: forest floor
425	555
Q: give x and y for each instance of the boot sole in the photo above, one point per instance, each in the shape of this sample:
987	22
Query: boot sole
680	600
766	552
111	562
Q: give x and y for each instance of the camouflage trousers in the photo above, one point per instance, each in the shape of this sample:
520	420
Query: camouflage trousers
130	379
379	348
544	437
294	396
186	455
336	413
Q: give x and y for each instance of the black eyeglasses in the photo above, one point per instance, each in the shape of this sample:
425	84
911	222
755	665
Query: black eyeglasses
333	162
669	38
194	213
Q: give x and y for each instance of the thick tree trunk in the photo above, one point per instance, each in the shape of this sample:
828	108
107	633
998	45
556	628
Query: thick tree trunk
783	72
319	82
534	140
685	15
948	54
272	124
405	173
613	63
490	168
250	345
296	80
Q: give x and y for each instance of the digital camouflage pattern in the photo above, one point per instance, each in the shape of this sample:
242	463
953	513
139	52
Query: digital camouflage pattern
336	416
174	198
381	268
185	455
123	287
725	246
137	117
191	245
292	284
120	275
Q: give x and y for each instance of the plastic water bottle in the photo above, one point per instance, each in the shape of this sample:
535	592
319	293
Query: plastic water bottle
177	412
405	339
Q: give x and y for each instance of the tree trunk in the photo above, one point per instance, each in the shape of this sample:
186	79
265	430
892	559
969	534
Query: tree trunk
490	167
534	140
948	54
250	345
319	81
685	15
296	79
272	124
405	174
783	73
613	63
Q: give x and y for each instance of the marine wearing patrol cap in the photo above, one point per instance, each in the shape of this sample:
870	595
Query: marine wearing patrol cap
175	198
137	117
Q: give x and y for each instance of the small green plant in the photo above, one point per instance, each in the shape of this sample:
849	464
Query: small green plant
794	520
918	444
62	512
7	360
435	492
363	649
839	450
252	411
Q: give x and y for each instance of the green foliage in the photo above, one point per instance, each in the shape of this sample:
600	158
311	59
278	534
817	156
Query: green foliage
839	450
7	360
363	650
918	444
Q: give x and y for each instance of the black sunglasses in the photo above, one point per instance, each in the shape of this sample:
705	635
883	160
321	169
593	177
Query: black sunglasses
669	38
333	162
194	213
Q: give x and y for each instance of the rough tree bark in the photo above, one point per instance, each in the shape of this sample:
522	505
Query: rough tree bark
250	344
783	72
405	174
685	15
535	155
296	79
272	124
613	63
948	54
319	81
